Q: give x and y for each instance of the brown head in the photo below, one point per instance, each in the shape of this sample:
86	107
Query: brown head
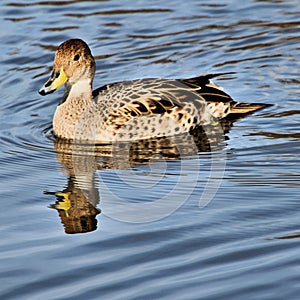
73	62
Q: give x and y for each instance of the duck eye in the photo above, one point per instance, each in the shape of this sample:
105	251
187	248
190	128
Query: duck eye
76	57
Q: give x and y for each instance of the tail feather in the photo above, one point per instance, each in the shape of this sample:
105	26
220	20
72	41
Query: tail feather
222	104
241	108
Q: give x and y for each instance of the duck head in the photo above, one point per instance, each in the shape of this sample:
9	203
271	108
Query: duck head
73	63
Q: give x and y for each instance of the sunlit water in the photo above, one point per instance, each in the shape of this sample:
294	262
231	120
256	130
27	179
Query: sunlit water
156	222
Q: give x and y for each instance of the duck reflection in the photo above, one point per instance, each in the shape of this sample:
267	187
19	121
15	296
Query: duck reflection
77	208
77	203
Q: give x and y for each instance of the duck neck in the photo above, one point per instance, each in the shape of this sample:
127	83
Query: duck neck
69	112
80	90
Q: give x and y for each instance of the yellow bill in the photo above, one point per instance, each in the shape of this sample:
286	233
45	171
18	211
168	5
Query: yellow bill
56	80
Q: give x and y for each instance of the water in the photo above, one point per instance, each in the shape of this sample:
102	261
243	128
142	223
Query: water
239	241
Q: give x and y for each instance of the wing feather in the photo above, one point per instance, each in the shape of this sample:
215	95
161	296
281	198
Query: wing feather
142	107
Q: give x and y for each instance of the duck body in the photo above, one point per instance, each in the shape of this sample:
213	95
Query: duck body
131	110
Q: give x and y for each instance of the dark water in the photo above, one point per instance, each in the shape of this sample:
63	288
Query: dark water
178	220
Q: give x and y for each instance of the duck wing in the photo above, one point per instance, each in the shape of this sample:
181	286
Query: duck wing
221	104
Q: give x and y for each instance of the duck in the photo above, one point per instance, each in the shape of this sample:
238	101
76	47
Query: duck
133	109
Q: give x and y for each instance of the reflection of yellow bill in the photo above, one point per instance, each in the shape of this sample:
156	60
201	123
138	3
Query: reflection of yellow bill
65	203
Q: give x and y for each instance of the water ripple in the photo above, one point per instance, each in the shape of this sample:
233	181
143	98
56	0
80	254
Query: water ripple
243	245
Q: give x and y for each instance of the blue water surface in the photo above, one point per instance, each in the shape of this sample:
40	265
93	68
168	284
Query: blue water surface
194	223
